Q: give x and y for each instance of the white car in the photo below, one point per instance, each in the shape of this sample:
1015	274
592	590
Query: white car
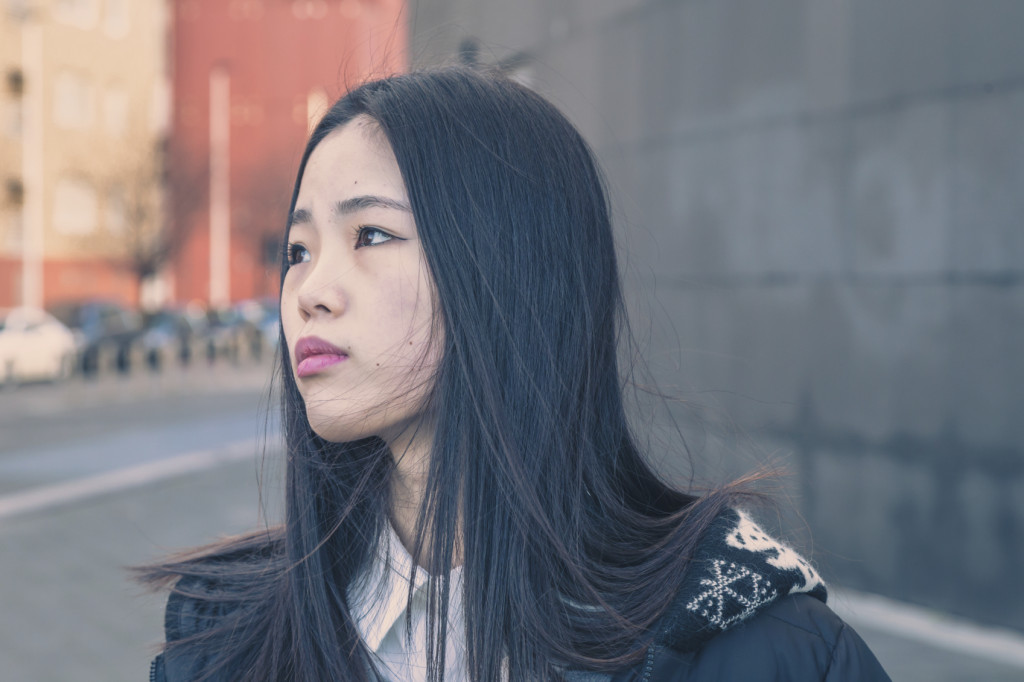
34	345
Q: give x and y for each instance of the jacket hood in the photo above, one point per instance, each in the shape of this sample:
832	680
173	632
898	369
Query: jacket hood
736	571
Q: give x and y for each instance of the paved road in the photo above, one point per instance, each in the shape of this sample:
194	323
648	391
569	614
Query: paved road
70	611
50	433
910	659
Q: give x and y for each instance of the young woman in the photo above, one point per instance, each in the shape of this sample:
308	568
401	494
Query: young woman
465	500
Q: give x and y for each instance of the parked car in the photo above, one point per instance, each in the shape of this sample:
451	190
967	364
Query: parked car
225	333
261	321
34	346
101	328
173	334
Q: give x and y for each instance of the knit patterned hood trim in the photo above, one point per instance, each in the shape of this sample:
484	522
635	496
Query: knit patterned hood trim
737	570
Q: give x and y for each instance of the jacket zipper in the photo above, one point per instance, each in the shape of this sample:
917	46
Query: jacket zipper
645	675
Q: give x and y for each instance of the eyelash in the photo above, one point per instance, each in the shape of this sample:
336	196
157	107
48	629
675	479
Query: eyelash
289	253
361	233
364	230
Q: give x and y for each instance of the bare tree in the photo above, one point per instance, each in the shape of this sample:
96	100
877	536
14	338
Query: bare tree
151	200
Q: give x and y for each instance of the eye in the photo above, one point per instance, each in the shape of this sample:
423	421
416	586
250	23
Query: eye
372	236
297	253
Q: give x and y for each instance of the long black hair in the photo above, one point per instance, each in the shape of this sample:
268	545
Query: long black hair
572	546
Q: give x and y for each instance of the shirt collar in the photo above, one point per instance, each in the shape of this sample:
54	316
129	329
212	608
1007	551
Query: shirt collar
380	595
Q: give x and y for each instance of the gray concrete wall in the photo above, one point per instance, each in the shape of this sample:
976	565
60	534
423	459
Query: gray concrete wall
822	210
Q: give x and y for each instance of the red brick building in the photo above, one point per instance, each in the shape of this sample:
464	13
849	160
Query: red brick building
248	77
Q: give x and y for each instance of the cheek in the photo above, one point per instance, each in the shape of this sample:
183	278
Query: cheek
405	313
290	320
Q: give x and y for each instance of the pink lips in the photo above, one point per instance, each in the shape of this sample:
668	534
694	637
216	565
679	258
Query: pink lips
313	355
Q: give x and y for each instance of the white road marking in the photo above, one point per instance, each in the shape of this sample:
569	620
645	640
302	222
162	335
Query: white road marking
61	494
928	626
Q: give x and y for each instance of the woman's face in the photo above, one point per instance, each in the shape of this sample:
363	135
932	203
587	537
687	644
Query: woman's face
357	305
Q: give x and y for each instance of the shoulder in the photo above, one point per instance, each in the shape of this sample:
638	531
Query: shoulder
796	638
217	597
751	608
195	606
191	616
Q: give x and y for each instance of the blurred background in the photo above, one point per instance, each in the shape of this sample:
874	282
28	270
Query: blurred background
819	207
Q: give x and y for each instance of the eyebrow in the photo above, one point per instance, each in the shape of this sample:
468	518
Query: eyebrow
351	205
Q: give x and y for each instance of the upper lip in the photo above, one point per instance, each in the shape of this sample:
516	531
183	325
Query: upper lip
314	345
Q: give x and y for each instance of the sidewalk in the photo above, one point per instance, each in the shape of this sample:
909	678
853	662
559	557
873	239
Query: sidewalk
70	611
921	645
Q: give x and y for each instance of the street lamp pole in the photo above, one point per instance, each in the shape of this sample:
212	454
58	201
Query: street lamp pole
32	157
220	187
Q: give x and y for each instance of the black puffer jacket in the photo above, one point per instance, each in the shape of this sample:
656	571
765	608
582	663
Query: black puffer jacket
797	638
750	609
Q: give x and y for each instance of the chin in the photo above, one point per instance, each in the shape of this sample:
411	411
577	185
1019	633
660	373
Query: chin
330	430
392	418
332	424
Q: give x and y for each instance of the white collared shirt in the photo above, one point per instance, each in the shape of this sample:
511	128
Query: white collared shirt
378	600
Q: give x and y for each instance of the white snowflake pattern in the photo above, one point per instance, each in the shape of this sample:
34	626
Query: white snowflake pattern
730	585
749	536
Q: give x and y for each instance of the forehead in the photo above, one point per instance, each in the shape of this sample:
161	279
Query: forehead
353	159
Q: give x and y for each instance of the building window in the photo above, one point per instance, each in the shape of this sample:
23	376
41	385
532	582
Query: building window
115	111
272	249
14	191
116	18
246	9
74	207
15	82
74	101
309	9
79	13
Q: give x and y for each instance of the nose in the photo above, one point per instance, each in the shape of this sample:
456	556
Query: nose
320	293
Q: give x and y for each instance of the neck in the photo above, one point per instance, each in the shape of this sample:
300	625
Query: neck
408	488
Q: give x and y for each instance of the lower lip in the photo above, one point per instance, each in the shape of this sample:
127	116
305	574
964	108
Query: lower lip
315	364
